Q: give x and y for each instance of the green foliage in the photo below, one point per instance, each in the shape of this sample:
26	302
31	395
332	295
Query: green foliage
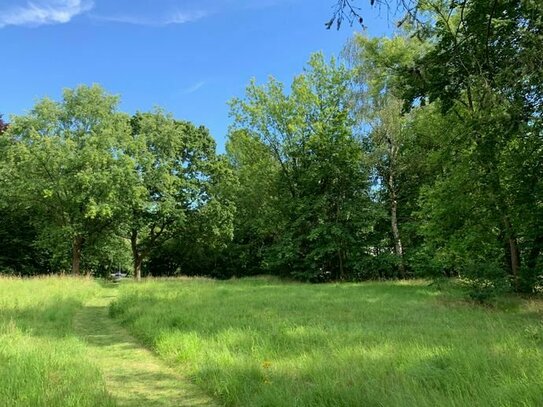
174	187
319	180
482	70
18	253
397	152
465	160
64	164
89	186
258	217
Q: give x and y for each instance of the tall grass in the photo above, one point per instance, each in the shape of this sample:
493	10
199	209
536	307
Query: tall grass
41	362
266	343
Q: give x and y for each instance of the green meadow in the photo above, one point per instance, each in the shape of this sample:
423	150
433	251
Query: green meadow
42	362
261	342
264	342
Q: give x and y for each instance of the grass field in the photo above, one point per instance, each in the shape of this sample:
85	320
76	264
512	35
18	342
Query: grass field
259	342
262	342
41	362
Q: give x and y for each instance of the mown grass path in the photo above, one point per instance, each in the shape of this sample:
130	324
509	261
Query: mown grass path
134	375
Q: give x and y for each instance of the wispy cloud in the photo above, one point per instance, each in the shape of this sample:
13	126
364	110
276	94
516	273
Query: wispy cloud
169	12
34	13
177	17
193	88
40	12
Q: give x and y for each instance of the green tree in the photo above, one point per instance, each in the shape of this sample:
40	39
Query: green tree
322	176
375	62
484	70
66	164
172	185
17	255
258	219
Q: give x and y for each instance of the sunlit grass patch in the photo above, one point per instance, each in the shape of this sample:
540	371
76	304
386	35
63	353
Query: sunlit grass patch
262	342
41	362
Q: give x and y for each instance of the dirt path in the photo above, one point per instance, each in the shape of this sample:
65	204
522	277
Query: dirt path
134	375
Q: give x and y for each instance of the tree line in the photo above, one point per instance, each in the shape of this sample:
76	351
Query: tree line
415	155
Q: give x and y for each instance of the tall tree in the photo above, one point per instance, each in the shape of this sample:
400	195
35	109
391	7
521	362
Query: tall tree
172	182
379	107
323	179
66	162
484	69
258	218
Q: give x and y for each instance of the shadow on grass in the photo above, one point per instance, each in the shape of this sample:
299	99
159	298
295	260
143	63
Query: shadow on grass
51	320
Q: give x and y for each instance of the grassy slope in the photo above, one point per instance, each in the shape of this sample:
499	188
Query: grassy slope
264	343
41	363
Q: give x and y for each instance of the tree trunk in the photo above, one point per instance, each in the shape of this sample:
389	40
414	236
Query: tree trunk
341	267
138	259
515	262
136	255
398	247
510	240
514	253
77	246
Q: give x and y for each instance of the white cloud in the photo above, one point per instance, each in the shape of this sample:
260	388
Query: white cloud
177	17
40	12
180	17
193	88
169	12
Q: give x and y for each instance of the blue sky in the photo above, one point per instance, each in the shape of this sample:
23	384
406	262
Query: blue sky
188	56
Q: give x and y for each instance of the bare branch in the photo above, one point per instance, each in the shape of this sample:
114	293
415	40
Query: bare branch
348	11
